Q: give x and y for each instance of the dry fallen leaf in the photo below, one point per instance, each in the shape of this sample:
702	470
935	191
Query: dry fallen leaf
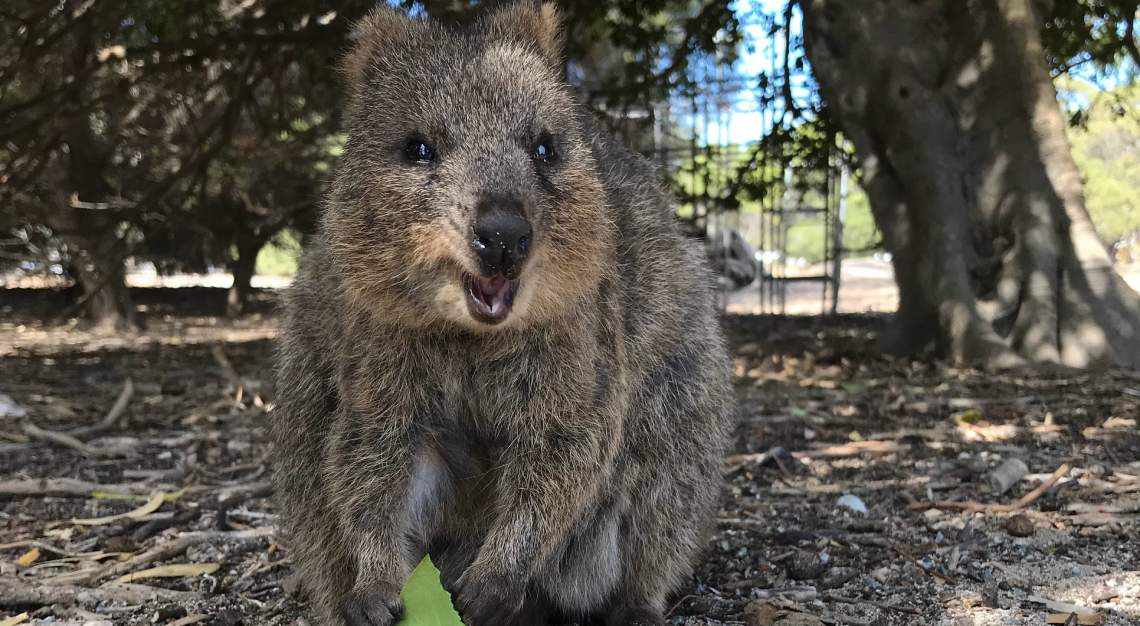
63	534
149	507
778	613
29	557
15	619
1085	615
170	571
110	495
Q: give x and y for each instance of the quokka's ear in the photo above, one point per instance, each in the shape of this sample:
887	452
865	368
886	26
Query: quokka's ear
379	30
536	20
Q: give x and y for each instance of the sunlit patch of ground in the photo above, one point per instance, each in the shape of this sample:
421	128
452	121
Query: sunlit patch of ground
193	330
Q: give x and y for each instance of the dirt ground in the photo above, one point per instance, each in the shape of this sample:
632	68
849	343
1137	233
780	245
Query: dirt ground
827	515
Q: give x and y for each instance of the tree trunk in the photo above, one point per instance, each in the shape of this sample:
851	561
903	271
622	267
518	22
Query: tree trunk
106	300
964	156
90	233
242	268
80	215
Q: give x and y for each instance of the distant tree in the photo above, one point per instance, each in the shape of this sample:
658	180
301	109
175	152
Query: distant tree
188	133
963	152
112	115
176	131
1106	147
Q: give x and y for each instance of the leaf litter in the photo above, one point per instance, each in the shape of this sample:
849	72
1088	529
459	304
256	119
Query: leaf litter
826	424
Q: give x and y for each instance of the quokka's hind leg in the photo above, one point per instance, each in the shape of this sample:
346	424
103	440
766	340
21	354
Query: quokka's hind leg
658	547
583	575
664	531
671	496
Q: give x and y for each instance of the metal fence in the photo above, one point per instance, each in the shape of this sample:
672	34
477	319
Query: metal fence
724	147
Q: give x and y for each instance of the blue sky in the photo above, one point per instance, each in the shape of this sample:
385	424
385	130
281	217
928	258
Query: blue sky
746	126
759	54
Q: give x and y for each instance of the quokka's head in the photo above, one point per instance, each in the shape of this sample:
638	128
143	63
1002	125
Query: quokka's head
468	192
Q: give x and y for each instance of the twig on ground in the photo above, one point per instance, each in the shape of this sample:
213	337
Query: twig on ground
162	552
241	493
854	448
33	543
970	506
798	593
113	416
67	441
678	604
14	592
227	366
70	488
882	605
868	486
155	526
233	376
255	490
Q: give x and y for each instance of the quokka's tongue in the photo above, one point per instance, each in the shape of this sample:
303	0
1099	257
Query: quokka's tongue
493	291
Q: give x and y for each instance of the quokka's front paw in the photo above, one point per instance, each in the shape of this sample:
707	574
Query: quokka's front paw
376	606
487	598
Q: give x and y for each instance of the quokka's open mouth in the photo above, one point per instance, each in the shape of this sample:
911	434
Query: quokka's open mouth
490	299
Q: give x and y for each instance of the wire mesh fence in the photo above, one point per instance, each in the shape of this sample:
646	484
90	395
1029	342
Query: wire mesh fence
772	219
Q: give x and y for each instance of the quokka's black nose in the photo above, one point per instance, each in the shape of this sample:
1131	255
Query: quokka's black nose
502	241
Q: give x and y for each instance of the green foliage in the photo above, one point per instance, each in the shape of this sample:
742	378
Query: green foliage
426	602
215	121
1106	147
860	235
279	257
1098	34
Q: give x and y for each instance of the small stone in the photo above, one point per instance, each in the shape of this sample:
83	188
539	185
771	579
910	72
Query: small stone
1020	525
167	614
852	502
9	407
806	565
882	574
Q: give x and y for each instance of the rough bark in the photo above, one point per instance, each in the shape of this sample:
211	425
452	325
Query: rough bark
964	155
106	300
91	234
82	216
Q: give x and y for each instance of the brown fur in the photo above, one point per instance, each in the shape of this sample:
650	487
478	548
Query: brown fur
561	464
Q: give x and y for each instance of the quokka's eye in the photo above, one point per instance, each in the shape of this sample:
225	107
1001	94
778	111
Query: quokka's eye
544	151
418	151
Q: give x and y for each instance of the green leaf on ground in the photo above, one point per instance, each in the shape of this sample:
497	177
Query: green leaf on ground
426	602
